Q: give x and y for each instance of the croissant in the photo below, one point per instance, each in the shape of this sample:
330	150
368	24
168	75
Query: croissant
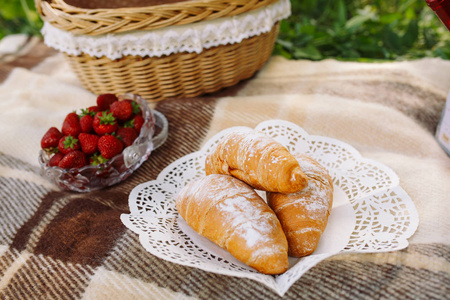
258	160
304	215
231	214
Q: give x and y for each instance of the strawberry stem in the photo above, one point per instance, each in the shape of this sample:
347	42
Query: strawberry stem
97	159
86	111
70	142
107	119
52	150
129	124
136	107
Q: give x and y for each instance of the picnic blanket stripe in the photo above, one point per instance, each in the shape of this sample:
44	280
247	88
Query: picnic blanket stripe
431	250
14	163
31	54
19	202
397	89
369	280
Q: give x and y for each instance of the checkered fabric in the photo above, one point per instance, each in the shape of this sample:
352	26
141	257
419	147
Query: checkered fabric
64	245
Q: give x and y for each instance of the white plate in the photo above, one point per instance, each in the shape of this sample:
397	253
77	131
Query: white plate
371	212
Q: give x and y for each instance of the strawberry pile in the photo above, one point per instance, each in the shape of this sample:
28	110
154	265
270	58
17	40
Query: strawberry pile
95	135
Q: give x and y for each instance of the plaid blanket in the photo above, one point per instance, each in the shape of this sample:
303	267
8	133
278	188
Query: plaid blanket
64	245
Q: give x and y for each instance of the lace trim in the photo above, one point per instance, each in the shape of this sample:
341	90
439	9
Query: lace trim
174	39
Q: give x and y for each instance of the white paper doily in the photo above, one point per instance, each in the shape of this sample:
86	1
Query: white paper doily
371	212
173	39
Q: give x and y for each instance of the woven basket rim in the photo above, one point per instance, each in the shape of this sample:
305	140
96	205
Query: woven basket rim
114	20
177	75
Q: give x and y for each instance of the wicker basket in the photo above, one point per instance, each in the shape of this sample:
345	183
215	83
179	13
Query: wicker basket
157	78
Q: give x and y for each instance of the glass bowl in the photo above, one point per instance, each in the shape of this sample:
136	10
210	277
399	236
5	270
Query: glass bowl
89	178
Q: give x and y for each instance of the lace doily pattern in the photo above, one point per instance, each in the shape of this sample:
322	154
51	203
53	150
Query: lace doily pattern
170	40
384	215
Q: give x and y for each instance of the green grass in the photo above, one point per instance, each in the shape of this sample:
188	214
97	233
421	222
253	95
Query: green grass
362	30
356	30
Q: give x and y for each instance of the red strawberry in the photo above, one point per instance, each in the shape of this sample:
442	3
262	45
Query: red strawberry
105	100
97	159
49	141
135	123
71	125
54	161
122	110
136	107
138	122
73	159
67	144
104	123
88	143
93	109
109	146
87	117
86	123
127	135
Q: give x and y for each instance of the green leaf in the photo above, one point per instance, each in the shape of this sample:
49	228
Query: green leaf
410	14
391	40
278	50
430	37
284	26
356	22
411	34
390	18
286	44
307	29
11	10
440	53
406	5
309	52
341	13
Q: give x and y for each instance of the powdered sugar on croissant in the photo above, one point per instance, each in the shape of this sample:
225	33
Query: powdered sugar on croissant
231	214
304	215
258	160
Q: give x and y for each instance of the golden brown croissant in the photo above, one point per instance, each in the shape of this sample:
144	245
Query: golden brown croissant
231	214
258	160
304	215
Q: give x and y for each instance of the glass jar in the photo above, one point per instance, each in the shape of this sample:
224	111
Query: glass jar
442	9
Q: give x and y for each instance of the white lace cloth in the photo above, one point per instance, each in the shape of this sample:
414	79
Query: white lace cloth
174	39
371	212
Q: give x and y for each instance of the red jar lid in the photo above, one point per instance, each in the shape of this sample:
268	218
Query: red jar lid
437	4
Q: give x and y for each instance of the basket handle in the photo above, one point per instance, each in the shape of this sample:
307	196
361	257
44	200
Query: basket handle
98	21
37	4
